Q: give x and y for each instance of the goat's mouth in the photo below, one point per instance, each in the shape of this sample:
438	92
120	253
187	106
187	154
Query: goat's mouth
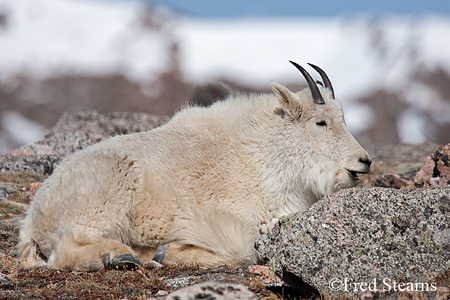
354	174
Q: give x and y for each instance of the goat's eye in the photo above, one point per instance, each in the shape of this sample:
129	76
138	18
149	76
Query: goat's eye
321	123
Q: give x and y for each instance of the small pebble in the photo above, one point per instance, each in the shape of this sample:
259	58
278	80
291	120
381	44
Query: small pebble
4	279
154	265
161	293
3	194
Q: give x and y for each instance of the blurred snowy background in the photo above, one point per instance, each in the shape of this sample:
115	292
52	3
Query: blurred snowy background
389	61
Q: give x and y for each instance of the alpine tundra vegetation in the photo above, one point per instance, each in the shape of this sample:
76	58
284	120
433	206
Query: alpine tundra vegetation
199	189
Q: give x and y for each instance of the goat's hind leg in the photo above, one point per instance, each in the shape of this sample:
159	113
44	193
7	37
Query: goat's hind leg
94	256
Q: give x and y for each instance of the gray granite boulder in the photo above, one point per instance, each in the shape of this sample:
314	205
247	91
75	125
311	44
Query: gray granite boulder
365	241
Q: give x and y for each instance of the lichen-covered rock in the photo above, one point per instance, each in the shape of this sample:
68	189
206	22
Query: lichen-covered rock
33	165
106	125
364	240
268	276
72	133
213	290
395	181
436	169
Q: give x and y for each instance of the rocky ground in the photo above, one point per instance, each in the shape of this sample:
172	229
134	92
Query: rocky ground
16	191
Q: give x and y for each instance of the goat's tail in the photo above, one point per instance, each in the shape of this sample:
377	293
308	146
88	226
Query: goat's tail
28	251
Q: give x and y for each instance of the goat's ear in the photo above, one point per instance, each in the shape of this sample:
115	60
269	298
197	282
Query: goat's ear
287	99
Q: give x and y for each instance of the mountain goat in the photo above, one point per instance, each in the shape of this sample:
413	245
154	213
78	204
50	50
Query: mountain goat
200	189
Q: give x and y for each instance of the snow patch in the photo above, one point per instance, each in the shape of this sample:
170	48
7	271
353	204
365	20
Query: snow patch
21	129
54	37
412	127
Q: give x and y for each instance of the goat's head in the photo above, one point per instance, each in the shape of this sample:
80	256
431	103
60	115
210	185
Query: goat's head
316	123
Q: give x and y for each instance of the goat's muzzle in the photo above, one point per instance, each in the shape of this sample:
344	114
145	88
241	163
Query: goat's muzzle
365	162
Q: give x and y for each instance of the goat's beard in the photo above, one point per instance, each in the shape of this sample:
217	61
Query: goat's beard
344	180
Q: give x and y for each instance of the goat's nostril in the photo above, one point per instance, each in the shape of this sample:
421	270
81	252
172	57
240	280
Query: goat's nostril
366	161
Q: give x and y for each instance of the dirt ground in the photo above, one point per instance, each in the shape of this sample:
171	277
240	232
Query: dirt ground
16	193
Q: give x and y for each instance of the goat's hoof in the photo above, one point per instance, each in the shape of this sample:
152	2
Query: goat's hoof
122	262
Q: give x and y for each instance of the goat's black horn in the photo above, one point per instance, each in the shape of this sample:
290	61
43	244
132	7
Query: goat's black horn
317	97
325	78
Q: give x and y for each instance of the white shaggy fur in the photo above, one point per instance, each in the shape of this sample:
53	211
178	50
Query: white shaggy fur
207	183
